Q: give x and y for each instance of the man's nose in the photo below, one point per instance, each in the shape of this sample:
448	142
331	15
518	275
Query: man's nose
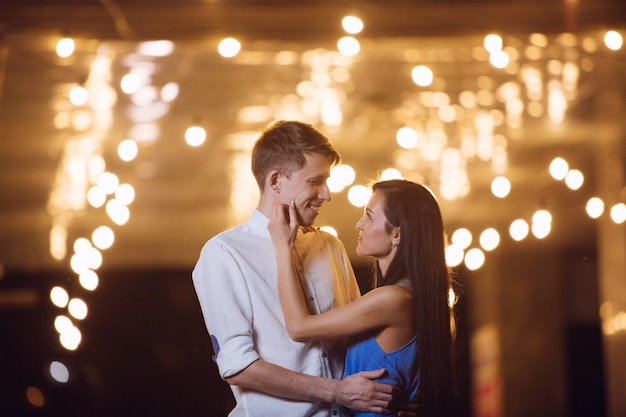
324	193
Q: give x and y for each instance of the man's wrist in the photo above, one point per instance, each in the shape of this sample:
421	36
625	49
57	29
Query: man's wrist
329	390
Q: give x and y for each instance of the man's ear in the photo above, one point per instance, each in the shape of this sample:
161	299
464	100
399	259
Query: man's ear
274	180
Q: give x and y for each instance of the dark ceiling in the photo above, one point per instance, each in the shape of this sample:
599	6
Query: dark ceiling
185	195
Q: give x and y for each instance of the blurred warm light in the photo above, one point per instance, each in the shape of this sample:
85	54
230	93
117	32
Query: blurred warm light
574	179
195	136
557	103
390	174
559	168
158	48
493	43
96	196
352	24
59	297
474	259
499	59
618	213
117	211
422	75
341	176
169	92
130	83
58	237
70	338
467	99
287	57
254	114
244	190
452	297
65	47
595	207
103	237
79	263
489	239
348	46
77	308
461	237
406	138
330	112
330	229
145	132
538	39
125	194
62	323
614	324
358	195
229	47
81	245
108	182
613	40
541	230
62	120
500	186
447	113
88	280
127	150
519	229
78	95
542	217
95	167
35	397
454	255
59	372
541	223
454	182
82	119
93	257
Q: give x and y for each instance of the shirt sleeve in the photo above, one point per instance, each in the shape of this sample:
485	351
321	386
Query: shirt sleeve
224	299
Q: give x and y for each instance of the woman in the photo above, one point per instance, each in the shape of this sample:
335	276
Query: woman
404	324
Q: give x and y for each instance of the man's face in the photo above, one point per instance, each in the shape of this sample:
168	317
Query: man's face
307	188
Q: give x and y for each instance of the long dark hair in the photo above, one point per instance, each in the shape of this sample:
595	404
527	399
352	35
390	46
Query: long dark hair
420	257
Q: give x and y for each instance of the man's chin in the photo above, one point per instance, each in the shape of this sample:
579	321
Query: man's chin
306	221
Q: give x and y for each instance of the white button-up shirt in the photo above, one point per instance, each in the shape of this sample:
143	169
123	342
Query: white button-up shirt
235	280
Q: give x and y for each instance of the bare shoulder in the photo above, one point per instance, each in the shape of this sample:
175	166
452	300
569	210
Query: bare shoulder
391	293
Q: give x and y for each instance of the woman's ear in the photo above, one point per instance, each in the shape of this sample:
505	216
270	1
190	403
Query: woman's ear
395	239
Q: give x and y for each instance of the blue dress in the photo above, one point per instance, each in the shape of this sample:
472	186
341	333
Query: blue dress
364	354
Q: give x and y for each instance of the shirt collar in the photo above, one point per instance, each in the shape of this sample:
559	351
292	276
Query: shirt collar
258	222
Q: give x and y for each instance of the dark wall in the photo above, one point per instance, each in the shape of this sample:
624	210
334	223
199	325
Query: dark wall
144	350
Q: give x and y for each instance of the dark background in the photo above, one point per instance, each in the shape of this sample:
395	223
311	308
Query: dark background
144	351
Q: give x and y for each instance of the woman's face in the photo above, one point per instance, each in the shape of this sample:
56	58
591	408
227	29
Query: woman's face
374	239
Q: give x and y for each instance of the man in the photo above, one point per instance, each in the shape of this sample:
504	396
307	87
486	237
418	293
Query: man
235	280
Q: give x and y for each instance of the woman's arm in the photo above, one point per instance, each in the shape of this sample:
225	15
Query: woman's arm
377	309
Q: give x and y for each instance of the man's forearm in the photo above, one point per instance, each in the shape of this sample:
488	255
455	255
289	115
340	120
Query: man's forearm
281	382
358	391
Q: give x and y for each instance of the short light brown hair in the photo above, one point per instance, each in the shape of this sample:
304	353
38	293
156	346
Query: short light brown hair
283	146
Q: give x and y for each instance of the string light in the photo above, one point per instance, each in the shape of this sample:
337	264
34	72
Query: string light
484	145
